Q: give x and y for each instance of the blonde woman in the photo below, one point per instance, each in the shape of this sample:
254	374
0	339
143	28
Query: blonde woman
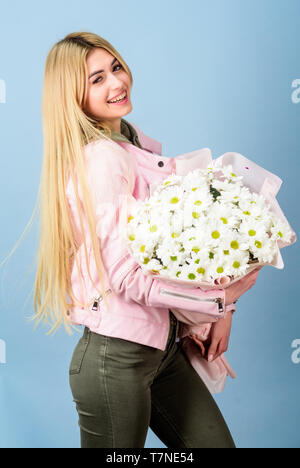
128	371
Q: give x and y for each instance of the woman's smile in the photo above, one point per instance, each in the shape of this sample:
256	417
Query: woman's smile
120	99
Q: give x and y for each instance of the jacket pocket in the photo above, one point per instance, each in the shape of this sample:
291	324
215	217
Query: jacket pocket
217	300
79	353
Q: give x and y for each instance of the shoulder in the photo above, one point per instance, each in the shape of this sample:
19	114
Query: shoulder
104	150
102	146
107	157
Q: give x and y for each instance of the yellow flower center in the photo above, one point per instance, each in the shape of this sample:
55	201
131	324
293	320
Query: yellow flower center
174	200
215	234
201	271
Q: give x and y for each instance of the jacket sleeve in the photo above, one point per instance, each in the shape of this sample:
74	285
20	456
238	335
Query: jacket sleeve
110	175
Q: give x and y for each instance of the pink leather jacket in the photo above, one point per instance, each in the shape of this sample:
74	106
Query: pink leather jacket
138	303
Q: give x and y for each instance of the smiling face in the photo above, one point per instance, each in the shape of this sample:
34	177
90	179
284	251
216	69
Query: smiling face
107	80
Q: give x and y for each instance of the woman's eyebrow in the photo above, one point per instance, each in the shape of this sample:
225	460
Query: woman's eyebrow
100	71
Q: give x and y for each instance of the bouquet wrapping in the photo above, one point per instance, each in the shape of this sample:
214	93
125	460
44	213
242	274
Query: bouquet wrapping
208	227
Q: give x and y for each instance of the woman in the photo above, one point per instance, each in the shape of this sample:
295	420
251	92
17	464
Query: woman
128	371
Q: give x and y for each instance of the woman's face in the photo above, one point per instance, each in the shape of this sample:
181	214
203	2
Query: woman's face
107	80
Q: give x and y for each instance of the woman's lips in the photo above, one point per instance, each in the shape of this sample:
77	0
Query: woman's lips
120	103
117	95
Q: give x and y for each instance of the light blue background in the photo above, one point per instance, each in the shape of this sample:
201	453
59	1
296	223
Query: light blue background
214	74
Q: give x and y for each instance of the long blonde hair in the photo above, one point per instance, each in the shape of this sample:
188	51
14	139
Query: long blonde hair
66	130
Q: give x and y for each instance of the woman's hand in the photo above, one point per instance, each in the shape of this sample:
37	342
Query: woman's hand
236	290
219	336
218	340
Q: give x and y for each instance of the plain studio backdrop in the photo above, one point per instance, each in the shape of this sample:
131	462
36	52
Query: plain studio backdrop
222	74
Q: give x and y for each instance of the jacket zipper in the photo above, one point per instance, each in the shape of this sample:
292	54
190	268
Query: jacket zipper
218	300
98	299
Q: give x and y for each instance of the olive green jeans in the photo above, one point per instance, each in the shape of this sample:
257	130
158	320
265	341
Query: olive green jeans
121	388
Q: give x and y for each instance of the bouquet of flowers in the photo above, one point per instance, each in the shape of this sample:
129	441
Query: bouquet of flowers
208	228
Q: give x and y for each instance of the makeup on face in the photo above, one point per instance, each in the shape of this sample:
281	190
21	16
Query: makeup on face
115	101
109	86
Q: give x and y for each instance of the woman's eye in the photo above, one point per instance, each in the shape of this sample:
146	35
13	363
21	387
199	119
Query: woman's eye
97	81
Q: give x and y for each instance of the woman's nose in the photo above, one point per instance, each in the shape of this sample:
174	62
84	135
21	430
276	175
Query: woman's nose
114	82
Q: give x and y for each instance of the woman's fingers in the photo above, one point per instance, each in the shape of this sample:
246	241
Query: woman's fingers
222	348
212	349
199	344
